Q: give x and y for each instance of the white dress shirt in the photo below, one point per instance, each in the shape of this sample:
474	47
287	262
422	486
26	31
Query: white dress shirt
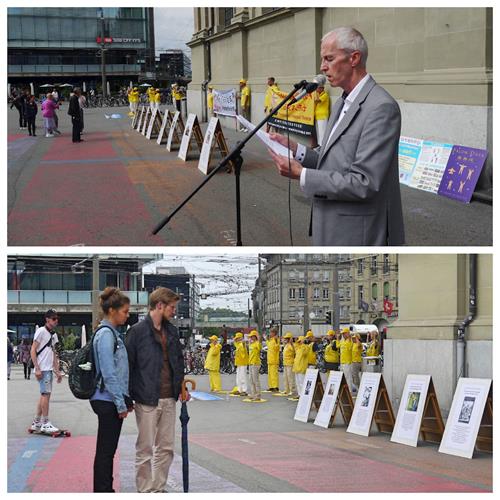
301	149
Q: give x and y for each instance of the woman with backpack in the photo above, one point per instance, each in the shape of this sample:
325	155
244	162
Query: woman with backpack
110	401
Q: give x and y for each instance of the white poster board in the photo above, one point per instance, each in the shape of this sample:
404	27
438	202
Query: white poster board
329	399
138	128
186	137
208	142
411	410
361	420
164	122
145	123
225	102
465	416
151	123
306	395
172	130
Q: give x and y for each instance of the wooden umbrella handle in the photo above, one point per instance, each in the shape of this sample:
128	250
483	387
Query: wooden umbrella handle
184	388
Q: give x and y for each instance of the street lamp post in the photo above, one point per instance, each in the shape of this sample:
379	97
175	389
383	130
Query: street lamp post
103	61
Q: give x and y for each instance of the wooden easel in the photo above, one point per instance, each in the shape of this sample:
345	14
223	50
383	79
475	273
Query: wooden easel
344	403
176	131
146	121
319	391
432	425
383	414
165	126
139	121
484	440
192	130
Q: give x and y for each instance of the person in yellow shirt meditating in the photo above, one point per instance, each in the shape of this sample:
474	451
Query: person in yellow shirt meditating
273	360
254	365
241	362
288	359
300	362
212	364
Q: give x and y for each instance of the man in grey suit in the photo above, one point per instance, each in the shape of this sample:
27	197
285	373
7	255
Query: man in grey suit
353	178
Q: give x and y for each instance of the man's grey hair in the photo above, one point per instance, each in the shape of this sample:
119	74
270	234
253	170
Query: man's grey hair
349	40
77	89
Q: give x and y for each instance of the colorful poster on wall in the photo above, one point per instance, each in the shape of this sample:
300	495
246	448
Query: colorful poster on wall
430	166
300	115
225	102
465	416
462	173
409	152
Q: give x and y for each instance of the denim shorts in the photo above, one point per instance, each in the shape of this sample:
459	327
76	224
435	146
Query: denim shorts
46	382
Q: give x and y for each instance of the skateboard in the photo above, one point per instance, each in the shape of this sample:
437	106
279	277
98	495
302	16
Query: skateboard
59	433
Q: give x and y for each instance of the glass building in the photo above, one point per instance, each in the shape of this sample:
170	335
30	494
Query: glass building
63	45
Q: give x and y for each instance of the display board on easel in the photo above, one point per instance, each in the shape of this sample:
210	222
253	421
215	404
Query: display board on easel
418	413
146	121
372	405
154	124
311	393
337	396
176	131
139	121
165	126
214	138
134	119
192	130
471	411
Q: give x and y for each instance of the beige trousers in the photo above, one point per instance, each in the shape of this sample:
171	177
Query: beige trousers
254	381
347	369
356	370
241	378
289	376
155	445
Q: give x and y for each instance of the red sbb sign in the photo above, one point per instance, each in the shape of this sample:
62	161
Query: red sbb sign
118	40
106	39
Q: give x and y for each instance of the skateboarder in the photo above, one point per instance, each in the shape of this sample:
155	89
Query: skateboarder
46	365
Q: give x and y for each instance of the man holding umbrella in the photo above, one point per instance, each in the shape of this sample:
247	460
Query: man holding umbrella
156	374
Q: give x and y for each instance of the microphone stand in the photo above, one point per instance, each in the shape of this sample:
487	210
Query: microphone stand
235	157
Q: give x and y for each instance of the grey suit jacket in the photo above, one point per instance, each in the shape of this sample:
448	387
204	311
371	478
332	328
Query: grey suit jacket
353	179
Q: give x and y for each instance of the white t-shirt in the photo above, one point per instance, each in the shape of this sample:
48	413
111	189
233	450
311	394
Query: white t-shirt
46	357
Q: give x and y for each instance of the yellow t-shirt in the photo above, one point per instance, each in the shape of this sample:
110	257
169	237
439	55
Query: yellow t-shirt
133	96
332	355
273	351
157	97
213	357
268	99
346	351
373	349
311	355
245	97
288	355
357	349
300	362
241	354
210	100
254	353
322	108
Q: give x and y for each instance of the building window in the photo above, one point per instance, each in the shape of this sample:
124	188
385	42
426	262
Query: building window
316	293
316	276
373	265
386	290
348	293
326	276
341	293
360	266
386	263
326	293
360	295
291	293
228	15
374	291
292	276
301	293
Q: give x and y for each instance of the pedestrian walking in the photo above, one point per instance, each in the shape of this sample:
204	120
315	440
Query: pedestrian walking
74	111
46	365
346	356
48	110
82	101
25	357
288	359
156	374
10	357
212	364
273	360
357	350
110	401
254	365
19	102
31	112
241	362
55	97
300	363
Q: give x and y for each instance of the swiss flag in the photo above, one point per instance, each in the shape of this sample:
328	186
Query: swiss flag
388	306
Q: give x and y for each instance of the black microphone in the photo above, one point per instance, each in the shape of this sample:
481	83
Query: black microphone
299	85
308	88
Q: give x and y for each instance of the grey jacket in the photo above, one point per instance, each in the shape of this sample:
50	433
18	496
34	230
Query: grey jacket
353	179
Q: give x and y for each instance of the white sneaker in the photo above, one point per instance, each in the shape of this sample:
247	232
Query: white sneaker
49	135
36	426
48	427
